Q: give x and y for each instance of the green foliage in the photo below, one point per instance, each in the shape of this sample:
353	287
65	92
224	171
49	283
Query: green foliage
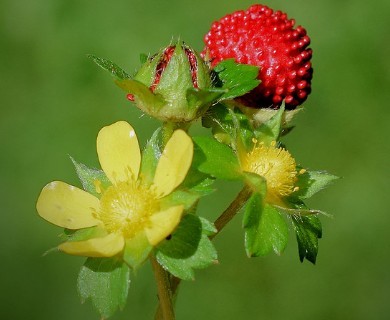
181	197
265	229
106	282
90	178
257	183
270	130
237	78
137	250
308	230
228	125
188	248
196	98
146	100
311	182
216	159
116	71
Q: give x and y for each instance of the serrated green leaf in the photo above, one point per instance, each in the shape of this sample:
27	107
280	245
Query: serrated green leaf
91	178
146	100
237	78
270	130
116	71
208	228
150	156
184	240
137	250
265	228
308	230
188	248
311	182
106	282
216	159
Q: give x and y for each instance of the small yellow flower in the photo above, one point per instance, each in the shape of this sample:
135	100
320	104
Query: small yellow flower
130	206
276	166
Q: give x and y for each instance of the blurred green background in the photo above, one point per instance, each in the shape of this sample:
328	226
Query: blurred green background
54	101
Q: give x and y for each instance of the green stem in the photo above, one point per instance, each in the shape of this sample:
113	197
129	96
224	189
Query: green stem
169	127
232	210
234	207
165	310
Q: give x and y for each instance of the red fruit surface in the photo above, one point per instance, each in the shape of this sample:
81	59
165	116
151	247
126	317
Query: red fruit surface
262	37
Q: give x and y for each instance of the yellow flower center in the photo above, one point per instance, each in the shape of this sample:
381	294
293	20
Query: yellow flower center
126	207
276	166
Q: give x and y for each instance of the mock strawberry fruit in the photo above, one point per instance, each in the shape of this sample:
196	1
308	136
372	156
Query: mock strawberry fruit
259	36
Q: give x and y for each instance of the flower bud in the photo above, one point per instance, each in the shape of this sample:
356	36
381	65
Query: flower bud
173	85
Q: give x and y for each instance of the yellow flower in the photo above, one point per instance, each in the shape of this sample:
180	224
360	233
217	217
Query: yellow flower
276	166
131	206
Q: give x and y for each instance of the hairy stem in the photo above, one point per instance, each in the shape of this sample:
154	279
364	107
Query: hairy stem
232	210
165	310
219	224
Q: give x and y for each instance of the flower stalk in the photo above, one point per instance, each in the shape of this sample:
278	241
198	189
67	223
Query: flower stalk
226	216
232	210
165	310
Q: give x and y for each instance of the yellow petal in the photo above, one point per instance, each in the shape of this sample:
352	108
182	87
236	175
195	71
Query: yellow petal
67	206
107	246
118	151
174	163
163	223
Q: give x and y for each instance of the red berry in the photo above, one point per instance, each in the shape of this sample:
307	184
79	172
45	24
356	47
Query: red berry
265	38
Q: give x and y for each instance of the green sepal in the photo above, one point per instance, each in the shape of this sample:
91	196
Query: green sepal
137	250
146	100
257	183
301	211
262	115
270	130
106	282
116	71
188	248
203	187
89	177
237	78
308	230
150	156
201	99
265	229
180	197
83	234
311	182
216	159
